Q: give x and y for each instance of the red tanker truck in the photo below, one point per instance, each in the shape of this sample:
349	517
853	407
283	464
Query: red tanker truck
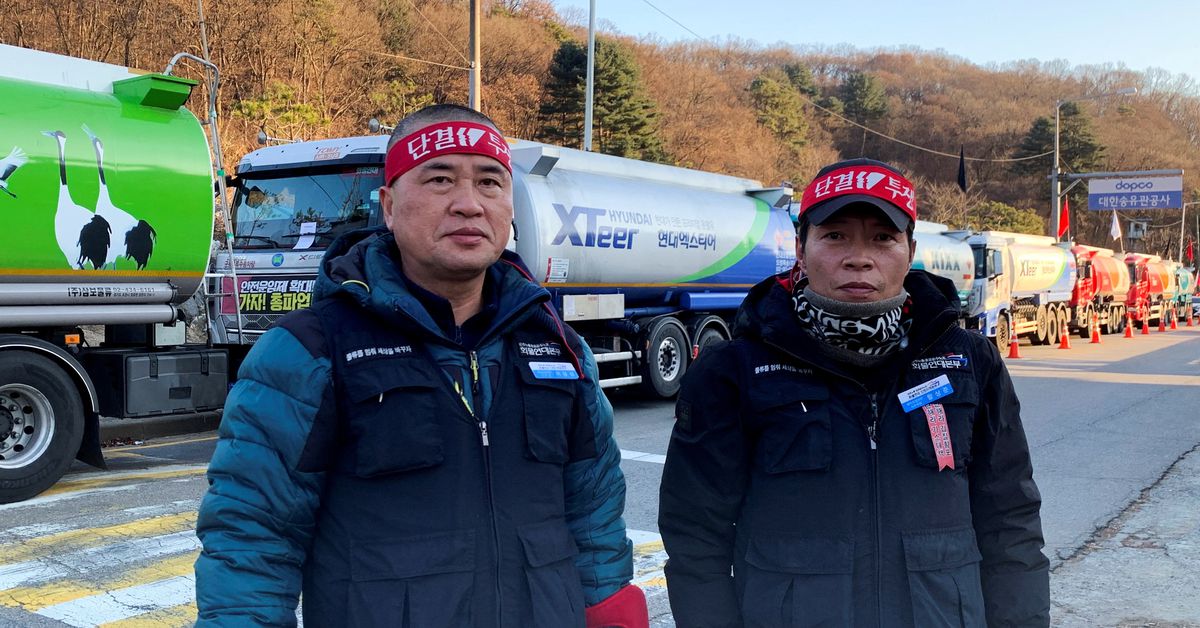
1152	287
1102	288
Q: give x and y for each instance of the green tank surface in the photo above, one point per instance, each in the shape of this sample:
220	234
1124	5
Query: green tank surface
106	190
105	183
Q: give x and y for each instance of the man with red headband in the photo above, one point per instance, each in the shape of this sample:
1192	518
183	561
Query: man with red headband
852	457
428	444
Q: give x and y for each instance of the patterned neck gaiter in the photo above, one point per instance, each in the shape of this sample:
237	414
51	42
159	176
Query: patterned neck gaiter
876	328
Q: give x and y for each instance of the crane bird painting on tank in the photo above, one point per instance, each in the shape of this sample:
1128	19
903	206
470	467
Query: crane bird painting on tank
134	237
83	237
16	158
97	238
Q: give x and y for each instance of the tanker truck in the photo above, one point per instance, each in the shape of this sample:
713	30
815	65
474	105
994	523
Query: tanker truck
1185	283
647	262
1152	287
945	253
108	185
1101	289
1023	287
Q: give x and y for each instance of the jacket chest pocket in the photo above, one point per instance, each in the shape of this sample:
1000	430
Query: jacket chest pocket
557	431
392	417
794	428
958	409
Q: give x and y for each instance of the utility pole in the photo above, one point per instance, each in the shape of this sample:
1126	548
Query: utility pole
1055	188
591	77
473	97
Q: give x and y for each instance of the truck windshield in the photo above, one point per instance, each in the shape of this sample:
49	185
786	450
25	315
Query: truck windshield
294	210
981	269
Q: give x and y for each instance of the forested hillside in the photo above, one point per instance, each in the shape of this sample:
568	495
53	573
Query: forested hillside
317	68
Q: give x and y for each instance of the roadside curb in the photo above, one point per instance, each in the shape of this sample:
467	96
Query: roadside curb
158	427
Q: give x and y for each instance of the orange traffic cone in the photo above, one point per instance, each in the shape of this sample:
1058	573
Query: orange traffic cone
1014	353
1095	329
1188	313
1145	321
1065	343
1162	320
1128	324
1174	320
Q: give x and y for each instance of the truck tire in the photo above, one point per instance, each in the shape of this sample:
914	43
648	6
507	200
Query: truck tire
1052	327
1003	334
708	338
665	358
1040	335
41	424
1064	322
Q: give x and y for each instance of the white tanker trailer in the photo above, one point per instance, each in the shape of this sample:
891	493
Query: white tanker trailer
945	253
647	262
1023	287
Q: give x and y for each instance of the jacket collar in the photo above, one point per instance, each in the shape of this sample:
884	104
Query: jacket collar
364	266
768	315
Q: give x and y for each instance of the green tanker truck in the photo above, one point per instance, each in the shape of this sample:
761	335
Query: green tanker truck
106	185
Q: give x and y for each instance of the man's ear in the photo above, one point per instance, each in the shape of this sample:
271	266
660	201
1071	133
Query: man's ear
800	254
912	251
385	204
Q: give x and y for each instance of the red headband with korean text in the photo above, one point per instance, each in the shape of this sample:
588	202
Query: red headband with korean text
874	181
445	138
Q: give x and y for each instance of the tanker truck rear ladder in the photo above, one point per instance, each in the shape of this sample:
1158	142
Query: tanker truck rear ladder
211	279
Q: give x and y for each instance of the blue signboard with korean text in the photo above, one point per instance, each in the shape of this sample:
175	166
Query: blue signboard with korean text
1135	193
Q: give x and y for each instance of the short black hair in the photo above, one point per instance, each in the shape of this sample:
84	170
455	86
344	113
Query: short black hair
803	225
437	113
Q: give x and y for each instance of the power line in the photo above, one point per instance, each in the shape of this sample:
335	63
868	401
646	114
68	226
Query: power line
396	56
911	145
677	22
866	128
440	34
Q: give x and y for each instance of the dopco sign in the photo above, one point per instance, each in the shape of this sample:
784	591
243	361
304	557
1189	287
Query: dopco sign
1136	193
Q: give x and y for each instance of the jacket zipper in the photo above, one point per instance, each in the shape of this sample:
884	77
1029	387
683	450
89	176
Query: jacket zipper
873	435
873	442
485	443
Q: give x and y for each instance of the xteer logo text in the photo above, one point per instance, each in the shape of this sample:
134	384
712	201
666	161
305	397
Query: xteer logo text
594	235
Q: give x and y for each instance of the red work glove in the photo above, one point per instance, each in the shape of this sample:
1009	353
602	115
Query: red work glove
624	609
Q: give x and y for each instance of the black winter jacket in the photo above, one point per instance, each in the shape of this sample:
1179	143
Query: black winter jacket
824	496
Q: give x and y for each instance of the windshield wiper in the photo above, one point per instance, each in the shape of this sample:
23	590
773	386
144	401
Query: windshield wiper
321	234
259	238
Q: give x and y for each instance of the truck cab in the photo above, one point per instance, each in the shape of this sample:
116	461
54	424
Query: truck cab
988	304
289	203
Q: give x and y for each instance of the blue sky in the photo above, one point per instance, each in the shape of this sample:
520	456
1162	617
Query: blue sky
1138	33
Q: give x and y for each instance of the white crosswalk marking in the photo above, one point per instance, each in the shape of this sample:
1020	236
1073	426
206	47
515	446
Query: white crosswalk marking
137	570
641	456
123	603
82	562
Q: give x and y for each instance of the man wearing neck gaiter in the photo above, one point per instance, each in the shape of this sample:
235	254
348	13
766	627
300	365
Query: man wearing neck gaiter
852	457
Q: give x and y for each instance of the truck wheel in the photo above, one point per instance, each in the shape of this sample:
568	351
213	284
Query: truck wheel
1052	328
1041	335
665	358
708	338
41	424
1003	334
